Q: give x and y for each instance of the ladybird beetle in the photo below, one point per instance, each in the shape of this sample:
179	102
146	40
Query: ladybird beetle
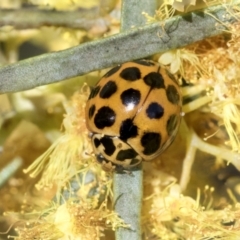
133	114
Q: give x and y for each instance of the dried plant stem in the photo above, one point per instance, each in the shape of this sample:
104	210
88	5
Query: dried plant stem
195	143
128	188
137	43
82	19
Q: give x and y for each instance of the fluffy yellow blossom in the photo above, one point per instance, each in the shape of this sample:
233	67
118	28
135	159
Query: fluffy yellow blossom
76	219
71	152
165	11
168	8
174	216
38	230
213	64
178	58
182	5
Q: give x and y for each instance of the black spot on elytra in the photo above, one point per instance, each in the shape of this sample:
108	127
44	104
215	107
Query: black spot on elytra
172	94
171	76
172	124
112	71
154	80
130	74
131	96
144	62
126	154
128	130
96	142
94	92
91	111
151	142
109	147
108	89
105	117
155	110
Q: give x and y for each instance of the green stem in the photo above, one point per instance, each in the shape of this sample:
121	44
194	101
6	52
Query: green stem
128	188
137	43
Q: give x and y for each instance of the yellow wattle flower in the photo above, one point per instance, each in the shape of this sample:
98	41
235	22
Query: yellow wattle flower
70	153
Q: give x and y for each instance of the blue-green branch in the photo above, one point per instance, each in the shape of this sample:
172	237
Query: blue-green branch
137	43
128	188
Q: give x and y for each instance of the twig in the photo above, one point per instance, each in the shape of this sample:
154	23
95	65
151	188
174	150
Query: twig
26	18
128	188
134	44
196	143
